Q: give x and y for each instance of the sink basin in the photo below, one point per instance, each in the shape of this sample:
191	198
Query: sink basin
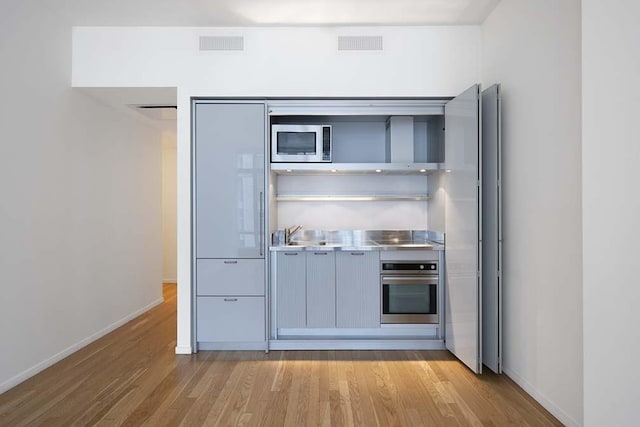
307	243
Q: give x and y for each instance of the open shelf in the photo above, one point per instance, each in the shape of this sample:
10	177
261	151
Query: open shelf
355	168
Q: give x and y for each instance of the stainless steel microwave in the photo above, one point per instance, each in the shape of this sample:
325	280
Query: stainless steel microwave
301	143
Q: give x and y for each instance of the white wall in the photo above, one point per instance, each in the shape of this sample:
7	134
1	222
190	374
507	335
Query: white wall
302	61
297	61
532	47
611	211
169	208
80	221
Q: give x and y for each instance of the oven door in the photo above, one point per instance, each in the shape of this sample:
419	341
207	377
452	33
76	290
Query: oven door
296	143
409	299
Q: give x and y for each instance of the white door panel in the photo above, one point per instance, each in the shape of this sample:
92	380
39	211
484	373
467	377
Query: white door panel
229	188
491	207
462	219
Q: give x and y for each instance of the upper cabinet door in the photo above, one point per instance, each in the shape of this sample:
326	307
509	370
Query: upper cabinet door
229	187
491	230
463	316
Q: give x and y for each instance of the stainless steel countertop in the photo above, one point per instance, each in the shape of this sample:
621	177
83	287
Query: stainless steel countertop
359	240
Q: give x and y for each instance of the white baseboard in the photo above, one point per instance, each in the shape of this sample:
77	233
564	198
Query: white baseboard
183	349
564	418
174	281
25	375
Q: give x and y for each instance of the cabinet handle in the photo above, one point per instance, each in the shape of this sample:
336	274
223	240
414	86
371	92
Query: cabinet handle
261	237
320	253
290	253
357	253
231	262
231	299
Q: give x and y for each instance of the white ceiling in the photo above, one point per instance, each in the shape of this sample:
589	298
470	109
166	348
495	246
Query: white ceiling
271	12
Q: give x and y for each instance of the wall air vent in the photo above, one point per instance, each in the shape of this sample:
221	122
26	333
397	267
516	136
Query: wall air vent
359	42
221	43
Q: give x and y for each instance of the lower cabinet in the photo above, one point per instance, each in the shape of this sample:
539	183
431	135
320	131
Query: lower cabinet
328	289
219	277
321	290
291	297
306	289
358	289
230	319
230	304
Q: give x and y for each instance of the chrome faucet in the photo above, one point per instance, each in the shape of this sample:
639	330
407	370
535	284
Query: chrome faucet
290	231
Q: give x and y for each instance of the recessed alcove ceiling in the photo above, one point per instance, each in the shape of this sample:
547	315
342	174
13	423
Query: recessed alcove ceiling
271	12
129	100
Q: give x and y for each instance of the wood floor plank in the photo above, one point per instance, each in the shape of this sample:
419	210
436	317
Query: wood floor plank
132	377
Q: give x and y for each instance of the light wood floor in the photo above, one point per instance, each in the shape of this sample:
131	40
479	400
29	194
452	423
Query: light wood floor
132	377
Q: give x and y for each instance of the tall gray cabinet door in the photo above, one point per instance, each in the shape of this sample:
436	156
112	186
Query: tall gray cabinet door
463	288
491	230
291	297
229	187
321	290
358	289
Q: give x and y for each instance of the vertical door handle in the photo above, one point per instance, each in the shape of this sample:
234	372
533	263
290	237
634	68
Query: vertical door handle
261	219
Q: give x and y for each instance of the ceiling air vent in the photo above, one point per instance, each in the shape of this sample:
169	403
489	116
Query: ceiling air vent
158	112
221	43
359	42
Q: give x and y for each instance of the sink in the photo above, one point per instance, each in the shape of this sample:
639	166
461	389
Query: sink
307	243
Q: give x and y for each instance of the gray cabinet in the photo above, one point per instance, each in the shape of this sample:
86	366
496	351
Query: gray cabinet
223	277
358	289
229	146
291	289
472	226
230	320
321	290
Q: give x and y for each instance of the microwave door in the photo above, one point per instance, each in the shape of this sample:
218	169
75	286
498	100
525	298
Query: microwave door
293	144
296	143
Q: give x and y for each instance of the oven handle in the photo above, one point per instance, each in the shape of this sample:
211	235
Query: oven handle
413	280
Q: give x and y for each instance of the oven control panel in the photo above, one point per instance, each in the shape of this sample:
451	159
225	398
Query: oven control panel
410	267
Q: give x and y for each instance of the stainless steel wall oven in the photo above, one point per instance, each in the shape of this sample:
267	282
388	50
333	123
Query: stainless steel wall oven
409	292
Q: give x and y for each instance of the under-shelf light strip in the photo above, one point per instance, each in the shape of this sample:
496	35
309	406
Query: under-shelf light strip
376	170
352	198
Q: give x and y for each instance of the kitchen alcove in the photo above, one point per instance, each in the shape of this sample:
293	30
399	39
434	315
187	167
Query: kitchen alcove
365	145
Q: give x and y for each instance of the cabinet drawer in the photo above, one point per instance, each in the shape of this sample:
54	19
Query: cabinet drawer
230	319
230	277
